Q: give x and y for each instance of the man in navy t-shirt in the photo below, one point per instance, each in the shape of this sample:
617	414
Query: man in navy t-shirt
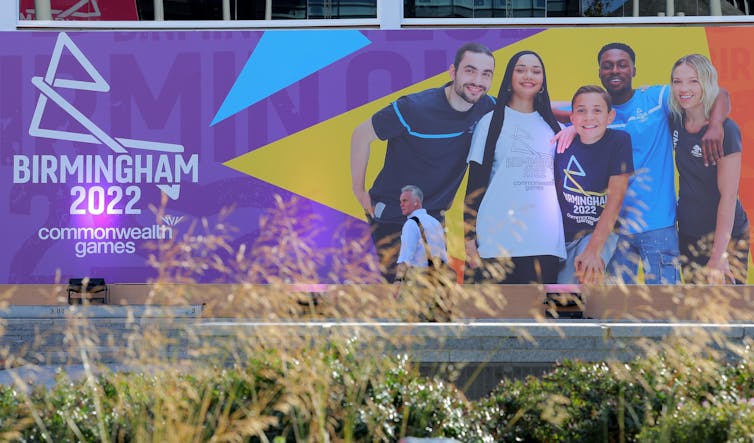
428	136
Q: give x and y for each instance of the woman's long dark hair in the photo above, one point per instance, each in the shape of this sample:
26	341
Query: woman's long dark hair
479	175
541	105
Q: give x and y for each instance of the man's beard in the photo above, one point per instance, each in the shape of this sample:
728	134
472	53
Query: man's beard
461	92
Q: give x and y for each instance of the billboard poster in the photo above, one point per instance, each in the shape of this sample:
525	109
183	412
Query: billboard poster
113	142
87	10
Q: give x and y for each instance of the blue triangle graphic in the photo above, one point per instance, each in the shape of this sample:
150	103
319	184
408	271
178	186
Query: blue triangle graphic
572	169
281	58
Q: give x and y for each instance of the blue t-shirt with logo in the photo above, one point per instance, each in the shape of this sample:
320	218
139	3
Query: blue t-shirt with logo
582	174
650	200
428	142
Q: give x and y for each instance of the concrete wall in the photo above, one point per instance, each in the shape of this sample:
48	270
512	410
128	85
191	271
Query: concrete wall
475	354
658	302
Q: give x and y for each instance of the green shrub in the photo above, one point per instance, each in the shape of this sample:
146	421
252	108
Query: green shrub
334	392
574	402
14	415
402	404
323	394
669	396
697	422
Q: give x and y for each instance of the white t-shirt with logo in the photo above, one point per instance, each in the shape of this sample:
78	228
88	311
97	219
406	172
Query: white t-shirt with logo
519	215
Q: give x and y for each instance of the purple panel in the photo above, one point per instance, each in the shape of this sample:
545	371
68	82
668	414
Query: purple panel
157	94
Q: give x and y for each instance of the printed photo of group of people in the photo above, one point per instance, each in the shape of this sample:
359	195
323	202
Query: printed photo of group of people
580	192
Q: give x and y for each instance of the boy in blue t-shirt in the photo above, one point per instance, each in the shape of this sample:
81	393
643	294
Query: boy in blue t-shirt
591	180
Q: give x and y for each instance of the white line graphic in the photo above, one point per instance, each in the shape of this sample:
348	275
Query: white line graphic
96	135
73	11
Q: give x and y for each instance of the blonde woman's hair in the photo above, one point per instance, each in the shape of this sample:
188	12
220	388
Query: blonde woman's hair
707	76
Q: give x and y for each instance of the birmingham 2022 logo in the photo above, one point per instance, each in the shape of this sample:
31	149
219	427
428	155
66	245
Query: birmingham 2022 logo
107	183
101	183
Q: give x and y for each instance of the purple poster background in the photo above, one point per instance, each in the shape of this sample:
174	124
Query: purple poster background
165	88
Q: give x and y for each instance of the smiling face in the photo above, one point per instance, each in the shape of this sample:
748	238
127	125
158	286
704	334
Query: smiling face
590	116
471	79
528	77
616	73
686	87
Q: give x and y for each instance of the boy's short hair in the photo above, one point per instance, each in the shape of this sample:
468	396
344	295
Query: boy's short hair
616	45
589	89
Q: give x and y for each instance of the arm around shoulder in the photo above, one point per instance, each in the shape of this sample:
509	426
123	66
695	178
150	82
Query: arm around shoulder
712	141
361	138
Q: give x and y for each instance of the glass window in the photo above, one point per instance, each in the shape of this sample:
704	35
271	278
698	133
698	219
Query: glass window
102	10
474	8
562	8
94	10
202	9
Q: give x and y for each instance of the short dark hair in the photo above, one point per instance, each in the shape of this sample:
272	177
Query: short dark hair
588	89
474	47
622	46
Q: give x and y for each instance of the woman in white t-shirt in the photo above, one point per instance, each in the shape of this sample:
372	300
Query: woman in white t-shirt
514	231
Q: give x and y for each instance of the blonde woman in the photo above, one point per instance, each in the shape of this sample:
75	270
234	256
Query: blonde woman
713	228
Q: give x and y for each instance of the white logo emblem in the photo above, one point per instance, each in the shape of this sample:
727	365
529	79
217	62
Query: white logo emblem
641	115
172	220
96	83
696	151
